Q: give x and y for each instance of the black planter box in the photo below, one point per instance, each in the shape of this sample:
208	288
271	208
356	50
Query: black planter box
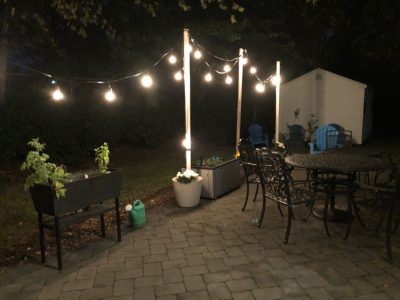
80	193
220	179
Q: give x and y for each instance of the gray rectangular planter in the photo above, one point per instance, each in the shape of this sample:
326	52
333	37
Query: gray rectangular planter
219	180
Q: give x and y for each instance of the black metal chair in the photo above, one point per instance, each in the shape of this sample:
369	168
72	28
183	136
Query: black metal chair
275	183
248	162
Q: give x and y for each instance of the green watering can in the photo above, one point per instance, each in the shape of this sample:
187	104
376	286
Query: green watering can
138	214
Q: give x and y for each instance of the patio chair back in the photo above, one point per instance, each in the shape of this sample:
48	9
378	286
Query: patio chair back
321	140
257	137
246	151
296	130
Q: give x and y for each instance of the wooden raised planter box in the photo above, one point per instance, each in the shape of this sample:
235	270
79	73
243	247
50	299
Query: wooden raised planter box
219	180
84	198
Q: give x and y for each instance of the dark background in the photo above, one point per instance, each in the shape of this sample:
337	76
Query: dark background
357	39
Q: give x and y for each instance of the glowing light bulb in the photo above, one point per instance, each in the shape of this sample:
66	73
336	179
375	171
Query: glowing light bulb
227	68
147	81
186	143
208	77
178	76
260	87
228	79
190	48
276	80
172	59
109	96
245	60
57	94
253	70
197	54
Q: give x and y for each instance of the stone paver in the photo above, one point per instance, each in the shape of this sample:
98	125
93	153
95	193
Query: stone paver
215	252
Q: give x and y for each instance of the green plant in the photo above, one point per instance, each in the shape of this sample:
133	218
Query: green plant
212	161
102	157
311	124
43	172
187	177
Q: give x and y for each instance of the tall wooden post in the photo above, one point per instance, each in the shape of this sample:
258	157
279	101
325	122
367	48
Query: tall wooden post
277	90
186	78
239	103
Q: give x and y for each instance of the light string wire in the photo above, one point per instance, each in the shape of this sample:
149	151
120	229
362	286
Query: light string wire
91	81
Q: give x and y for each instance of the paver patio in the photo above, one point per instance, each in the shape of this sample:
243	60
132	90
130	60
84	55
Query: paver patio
215	252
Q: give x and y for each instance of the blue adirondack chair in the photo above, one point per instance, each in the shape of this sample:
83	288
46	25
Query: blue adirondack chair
257	137
321	143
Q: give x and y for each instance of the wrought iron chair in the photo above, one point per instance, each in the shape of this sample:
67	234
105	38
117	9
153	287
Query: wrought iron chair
275	184
338	138
248	161
257	137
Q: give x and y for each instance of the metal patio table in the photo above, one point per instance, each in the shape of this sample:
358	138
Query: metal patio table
332	164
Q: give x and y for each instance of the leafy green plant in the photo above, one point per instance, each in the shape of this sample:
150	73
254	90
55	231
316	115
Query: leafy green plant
312	124
43	172
102	157
212	161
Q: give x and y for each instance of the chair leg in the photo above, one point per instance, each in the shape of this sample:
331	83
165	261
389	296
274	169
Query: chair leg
389	231
280	209
326	207
103	226
118	217
58	243
311	206
255	195
349	215
289	224
262	212
41	239
247	192
356	212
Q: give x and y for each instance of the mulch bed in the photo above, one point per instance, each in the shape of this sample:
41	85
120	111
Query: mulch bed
77	235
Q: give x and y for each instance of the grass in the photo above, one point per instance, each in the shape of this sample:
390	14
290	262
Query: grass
145	172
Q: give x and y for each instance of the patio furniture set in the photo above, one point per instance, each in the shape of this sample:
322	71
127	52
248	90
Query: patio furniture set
330	167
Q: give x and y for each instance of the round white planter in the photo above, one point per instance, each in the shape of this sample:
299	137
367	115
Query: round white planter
187	195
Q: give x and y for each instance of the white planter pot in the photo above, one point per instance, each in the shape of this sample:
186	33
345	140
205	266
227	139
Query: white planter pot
187	195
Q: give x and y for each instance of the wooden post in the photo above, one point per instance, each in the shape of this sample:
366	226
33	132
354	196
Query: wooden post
277	90
239	103
186	78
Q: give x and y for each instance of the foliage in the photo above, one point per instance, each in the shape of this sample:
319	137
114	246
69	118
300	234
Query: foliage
187	177
312	125
102	157
43	172
212	161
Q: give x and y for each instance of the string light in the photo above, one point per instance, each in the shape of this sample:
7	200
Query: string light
253	70
178	76
260	87
190	48
172	59
228	79
276	80
245	60
197	54
109	95
186	143
227	68
147	81
208	77
57	94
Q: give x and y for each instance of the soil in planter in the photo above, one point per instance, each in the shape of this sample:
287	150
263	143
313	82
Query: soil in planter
77	235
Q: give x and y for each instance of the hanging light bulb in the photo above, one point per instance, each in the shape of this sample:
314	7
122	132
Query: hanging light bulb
186	143
178	76
57	94
227	68
260	87
245	60
208	77
147	81
190	48
109	95
253	70
276	80
172	59
197	54
228	79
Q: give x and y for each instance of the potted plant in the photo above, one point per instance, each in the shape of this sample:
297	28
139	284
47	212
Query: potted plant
187	188
221	175
56	192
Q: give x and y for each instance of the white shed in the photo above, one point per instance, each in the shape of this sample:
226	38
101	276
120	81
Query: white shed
331	98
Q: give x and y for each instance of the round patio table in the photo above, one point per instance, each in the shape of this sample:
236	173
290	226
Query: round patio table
337	163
